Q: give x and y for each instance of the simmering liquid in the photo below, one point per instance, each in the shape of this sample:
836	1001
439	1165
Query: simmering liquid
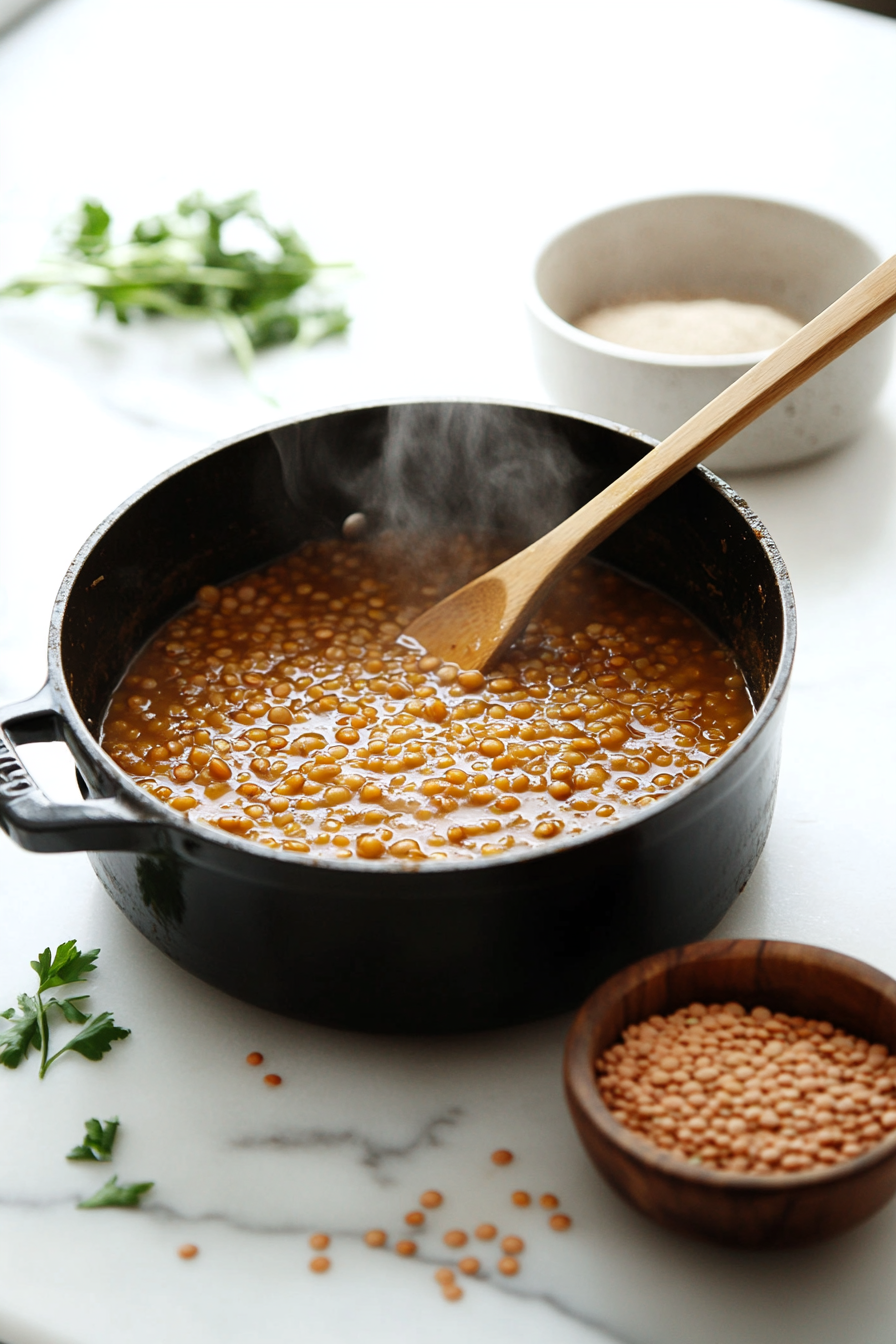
280	708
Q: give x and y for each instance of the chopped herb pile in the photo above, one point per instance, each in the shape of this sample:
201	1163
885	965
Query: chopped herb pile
177	264
29	1027
112	1195
99	1140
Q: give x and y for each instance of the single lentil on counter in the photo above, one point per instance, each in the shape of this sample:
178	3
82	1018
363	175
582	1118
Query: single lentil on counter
759	1092
279	708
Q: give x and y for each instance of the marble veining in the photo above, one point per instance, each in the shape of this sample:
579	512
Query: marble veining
372	1153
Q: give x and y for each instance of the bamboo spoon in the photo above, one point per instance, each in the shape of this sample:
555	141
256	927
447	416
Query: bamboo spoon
473	625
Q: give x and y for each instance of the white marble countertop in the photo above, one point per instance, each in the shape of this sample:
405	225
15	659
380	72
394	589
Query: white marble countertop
434	146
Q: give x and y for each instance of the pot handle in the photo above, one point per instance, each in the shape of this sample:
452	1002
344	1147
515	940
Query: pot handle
30	818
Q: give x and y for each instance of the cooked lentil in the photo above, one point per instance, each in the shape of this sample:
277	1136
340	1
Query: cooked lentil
758	1092
279	708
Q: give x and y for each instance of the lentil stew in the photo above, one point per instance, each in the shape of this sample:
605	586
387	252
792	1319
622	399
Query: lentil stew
280	708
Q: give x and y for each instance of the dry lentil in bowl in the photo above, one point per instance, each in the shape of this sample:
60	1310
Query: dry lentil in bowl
281	709
760	1093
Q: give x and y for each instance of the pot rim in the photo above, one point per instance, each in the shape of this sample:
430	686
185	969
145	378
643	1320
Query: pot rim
172	820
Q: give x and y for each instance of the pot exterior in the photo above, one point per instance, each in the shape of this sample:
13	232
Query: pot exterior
428	948
487	946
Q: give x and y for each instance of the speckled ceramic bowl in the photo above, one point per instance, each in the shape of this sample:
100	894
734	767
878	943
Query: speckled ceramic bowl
732	247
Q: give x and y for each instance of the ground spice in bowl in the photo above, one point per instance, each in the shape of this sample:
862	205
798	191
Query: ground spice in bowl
760	1093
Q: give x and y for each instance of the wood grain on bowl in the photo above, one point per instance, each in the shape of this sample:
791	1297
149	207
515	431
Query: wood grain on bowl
730	1208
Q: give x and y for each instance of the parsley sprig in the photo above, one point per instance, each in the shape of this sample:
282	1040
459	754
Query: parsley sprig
29	1027
177	264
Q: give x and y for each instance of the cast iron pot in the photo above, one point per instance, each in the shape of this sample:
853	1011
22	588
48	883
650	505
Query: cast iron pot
439	947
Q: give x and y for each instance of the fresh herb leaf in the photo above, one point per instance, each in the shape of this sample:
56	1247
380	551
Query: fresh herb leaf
178	264
68	1009
93	233
95	1040
113	1195
68	967
99	1140
21	1032
30	1027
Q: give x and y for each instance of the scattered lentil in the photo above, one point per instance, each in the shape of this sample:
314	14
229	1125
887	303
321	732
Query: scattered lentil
758	1092
415	1218
560	1222
375	1237
549	1202
273	1079
521	1198
406	1247
452	1292
508	1265
254	1058
444	1275
319	1265
486	1232
455	1238
431	1199
502	1157
468	1265
280	709
188	1251
319	1241
513	1245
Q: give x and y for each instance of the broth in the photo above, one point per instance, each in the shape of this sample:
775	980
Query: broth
280	708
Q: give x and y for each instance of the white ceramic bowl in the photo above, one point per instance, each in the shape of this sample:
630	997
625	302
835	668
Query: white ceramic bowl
732	247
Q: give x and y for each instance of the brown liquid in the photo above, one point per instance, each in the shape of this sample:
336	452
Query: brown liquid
279	708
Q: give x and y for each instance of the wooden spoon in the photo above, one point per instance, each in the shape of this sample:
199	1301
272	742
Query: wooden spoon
474	625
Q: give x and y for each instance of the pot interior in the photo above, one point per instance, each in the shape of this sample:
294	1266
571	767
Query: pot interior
426	466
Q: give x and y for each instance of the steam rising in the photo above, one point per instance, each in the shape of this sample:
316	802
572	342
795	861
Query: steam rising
440	467
443	464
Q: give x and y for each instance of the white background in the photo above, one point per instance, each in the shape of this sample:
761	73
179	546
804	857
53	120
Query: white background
435	146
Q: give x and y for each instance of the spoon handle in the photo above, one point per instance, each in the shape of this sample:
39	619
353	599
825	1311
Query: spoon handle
851	317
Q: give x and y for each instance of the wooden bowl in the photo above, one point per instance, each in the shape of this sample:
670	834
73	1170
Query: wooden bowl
726	1207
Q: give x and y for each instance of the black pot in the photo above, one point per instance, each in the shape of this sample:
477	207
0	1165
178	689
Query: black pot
447	947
